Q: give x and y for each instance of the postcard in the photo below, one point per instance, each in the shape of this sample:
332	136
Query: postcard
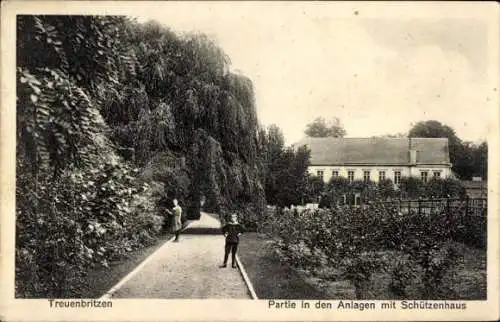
249	161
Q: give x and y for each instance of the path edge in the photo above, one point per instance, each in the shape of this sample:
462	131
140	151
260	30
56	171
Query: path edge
247	281
117	286
243	272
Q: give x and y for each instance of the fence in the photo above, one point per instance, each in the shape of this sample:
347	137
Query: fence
472	206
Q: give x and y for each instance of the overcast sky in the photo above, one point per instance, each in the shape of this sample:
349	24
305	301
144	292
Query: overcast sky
377	68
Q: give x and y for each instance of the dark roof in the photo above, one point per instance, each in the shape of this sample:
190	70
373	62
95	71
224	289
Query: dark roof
376	151
474	184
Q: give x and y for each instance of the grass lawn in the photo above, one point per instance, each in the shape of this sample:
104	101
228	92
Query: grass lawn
270	278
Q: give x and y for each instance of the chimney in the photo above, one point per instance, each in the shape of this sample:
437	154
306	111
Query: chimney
412	153
413	157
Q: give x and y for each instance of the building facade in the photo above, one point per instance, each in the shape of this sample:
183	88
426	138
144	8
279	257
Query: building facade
375	159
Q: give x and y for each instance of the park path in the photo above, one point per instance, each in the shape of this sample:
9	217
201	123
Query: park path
188	269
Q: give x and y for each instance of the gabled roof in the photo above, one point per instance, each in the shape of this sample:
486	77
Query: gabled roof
376	151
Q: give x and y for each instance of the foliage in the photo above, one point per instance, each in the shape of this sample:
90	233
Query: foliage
356	241
86	217
360	268
402	276
471	228
77	205
57	118
183	100
286	178
386	189
320	127
410	188
315	187
340	191
413	188
289	177
467	159
102	90
169	176
480	157
447	187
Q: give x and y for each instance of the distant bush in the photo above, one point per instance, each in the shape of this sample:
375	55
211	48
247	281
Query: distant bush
339	190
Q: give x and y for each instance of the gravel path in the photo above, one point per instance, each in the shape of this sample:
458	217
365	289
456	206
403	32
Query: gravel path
188	269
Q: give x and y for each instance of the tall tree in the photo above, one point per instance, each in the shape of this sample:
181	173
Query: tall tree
286	170
275	143
275	140
183	102
460	156
320	128
480	160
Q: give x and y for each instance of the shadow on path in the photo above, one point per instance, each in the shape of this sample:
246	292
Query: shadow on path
202	231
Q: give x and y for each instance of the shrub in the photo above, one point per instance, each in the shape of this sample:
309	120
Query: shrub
442	188
403	276
84	218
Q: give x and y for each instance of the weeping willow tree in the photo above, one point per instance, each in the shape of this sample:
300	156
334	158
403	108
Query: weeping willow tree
182	106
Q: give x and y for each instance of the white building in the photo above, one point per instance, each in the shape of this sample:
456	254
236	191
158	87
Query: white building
376	159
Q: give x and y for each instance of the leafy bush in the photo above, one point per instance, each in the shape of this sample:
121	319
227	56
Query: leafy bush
441	188
409	188
402	278
359	270
469	227
339	188
85	218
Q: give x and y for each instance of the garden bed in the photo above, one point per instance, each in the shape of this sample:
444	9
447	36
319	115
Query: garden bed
275	279
464	281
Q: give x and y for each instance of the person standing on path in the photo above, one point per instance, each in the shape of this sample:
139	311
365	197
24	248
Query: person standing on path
176	223
232	231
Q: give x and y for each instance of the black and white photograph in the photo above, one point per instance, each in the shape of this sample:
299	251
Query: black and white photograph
302	155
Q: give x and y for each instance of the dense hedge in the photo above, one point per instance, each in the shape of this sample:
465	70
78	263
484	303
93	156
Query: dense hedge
85	217
409	188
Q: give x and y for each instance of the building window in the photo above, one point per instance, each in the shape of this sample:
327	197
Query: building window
397	177
366	176
335	173
320	174
350	175
357	199
437	174
423	176
381	176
